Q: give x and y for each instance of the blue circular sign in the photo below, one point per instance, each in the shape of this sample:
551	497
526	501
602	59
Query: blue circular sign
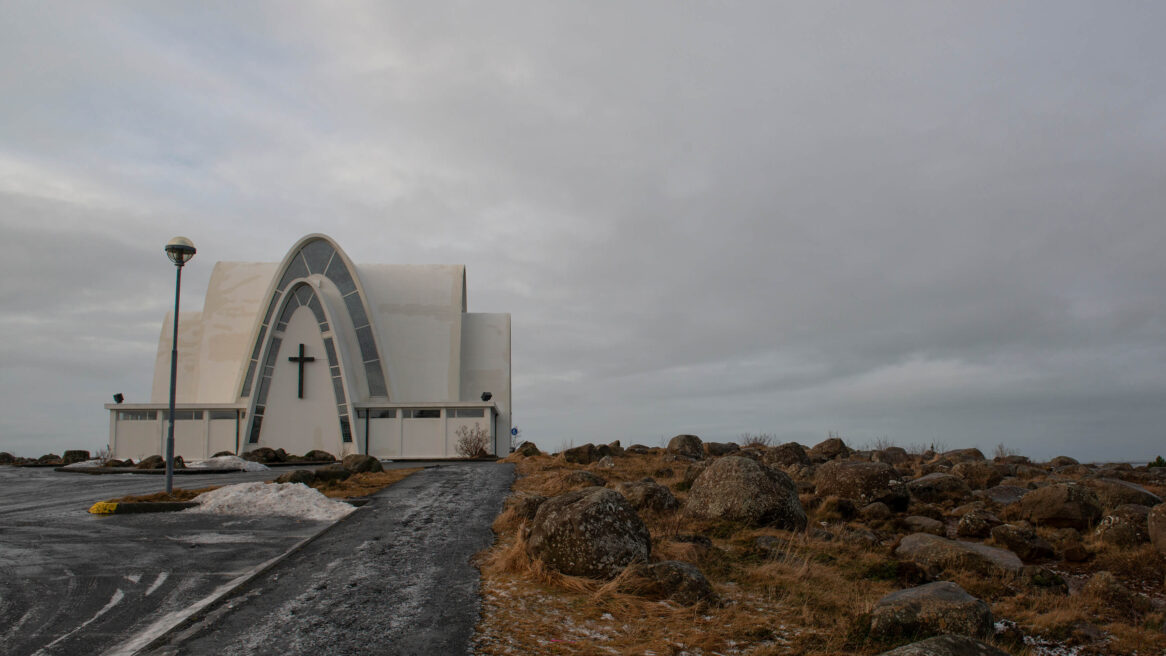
514	431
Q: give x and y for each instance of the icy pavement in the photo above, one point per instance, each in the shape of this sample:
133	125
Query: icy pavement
75	583
394	578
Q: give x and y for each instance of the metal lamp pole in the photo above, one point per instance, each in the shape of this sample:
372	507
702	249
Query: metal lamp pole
179	250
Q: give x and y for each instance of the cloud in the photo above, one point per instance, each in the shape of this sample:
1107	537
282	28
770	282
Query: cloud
938	223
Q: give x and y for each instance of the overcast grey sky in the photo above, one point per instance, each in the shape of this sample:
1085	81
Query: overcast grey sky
924	222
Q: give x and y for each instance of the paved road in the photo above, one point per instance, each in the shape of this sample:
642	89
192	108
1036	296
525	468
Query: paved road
393	578
75	583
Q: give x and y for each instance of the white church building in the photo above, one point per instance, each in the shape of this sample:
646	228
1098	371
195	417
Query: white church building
315	352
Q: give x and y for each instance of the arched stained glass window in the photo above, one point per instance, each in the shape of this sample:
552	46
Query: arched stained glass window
320	257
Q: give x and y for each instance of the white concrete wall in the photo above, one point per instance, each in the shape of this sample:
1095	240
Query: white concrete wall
214	344
234	305
222	436
417	313
137	439
423	438
384	437
454	424
300	425
485	358
189	339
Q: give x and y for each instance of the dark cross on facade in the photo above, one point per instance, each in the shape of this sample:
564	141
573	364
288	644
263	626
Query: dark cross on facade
301	359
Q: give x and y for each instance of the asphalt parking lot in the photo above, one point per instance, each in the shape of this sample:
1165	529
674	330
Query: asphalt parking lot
75	583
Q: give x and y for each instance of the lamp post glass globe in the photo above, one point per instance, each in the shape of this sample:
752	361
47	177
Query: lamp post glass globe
180	250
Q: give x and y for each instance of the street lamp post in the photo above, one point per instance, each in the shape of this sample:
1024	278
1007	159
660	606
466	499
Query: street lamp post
179	250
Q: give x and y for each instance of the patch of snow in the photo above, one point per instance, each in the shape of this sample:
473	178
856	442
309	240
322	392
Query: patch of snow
162	576
264	499
87	464
227	463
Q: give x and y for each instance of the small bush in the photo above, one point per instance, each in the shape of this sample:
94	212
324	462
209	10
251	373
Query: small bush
1003	451
758	439
472	442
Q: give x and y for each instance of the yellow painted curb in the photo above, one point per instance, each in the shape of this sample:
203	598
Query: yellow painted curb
103	508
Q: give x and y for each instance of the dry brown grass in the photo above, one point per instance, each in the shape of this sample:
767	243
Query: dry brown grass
811	595
177	495
364	484
357	485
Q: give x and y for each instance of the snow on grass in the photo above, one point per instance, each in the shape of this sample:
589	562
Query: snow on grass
227	463
265	499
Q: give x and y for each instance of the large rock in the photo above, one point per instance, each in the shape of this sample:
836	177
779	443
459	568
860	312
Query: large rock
785	455
980	474
305	476
647	494
74	455
717	449
319	455
935	553
740	489
893	455
263	455
670	579
1061	506
1112	492
524	505
1062	461
334	472
591	532
867	482
528	450
963	455
581	455
977	523
1156	526
152	462
580	479
1023	541
829	449
1003	494
935	608
1119	531
939	487
1132	515
920	524
358	463
946	645
688	446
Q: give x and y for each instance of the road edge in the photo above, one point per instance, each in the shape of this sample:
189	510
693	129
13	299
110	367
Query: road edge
155	634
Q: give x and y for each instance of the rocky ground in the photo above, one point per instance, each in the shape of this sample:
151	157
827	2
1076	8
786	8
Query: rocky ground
704	548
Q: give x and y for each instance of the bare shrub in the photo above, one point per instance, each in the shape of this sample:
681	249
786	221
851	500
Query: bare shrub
758	439
879	444
104	454
472	442
1003	451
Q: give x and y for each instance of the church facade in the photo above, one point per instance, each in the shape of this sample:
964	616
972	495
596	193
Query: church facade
318	353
